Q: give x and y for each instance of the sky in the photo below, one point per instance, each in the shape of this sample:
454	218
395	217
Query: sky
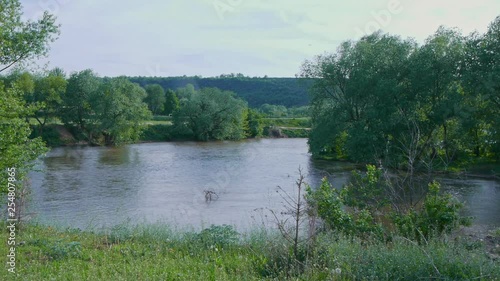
252	37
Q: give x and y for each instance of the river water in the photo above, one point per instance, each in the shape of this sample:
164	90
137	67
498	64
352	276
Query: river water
94	187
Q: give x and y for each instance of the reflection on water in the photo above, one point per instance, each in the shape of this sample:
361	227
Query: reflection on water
95	186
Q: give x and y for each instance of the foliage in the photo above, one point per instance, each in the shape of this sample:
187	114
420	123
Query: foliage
211	114
108	111
21	41
439	214
82	88
270	110
219	236
366	191
389	99
157	132
480	79
368	198
326	203
171	102
150	252
155	98
48	93
289	92
16	149
303	122
119	111
254	127
50	135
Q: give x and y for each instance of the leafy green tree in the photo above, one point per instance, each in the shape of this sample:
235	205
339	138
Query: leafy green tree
118	111
19	41
357	94
171	102
185	93
108	111
17	151
48	94
480	78
436	91
271	110
253	123
77	111
155	98
211	114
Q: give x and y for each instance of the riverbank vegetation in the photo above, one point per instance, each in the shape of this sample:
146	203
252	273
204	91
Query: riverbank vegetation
387	99
325	234
156	252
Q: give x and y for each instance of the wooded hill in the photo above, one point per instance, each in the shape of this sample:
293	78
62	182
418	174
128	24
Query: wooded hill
289	92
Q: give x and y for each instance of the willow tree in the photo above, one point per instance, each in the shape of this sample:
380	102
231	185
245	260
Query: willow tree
357	96
211	114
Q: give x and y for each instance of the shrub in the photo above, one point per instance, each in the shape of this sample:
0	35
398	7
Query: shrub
326	203
218	236
439	214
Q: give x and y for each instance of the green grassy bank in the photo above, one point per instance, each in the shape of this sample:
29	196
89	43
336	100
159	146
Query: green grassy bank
155	252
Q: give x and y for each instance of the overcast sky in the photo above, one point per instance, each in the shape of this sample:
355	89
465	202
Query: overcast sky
253	37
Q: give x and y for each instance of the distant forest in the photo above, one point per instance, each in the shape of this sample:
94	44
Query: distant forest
290	92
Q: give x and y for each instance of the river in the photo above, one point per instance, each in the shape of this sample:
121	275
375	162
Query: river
94	187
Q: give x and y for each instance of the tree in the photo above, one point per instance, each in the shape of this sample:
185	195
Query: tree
77	111
19	41
211	114
118	111
17	151
155	98
356	96
48	94
171	102
184	94
480	79
271	110
436	91
253	123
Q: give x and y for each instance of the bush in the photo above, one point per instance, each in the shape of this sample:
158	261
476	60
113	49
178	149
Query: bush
439	214
366	194
218	236
326	203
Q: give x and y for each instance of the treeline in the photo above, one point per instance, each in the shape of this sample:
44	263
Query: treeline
110	111
289	92
98	110
384	99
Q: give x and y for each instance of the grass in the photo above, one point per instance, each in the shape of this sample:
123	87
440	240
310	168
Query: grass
155	252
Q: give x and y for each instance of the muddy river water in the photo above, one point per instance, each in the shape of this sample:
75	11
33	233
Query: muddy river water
94	187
